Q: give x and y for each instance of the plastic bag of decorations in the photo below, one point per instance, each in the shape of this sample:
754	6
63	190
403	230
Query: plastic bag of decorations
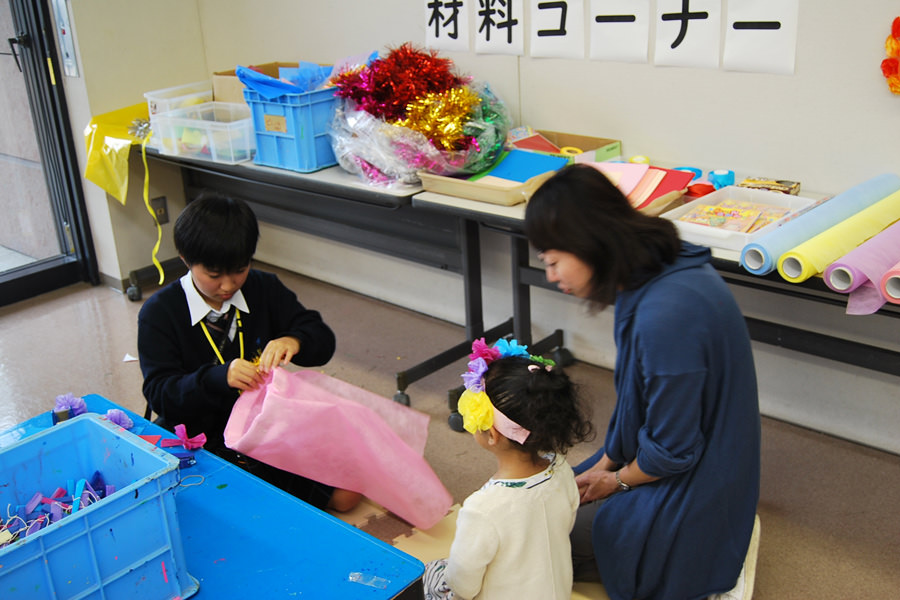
410	112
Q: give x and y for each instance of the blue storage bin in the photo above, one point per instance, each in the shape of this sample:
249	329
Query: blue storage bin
292	129
126	545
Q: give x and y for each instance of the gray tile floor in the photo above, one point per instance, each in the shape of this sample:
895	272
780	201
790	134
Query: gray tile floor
830	524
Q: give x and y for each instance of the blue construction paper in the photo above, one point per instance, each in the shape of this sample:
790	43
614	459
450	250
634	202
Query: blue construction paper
521	165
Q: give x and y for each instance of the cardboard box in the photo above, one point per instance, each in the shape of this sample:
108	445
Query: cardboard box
228	88
594	149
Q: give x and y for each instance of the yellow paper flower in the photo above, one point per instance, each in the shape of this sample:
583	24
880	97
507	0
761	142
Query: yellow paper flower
476	410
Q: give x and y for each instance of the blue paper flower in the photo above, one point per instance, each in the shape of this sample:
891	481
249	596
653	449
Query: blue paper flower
511	348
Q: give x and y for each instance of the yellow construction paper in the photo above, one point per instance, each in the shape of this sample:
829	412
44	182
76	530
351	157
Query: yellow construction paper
815	254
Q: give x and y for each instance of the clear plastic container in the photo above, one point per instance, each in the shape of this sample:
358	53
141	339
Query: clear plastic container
218	131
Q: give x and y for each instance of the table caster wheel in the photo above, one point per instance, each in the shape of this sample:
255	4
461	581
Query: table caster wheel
401	398
455	421
134	293
562	357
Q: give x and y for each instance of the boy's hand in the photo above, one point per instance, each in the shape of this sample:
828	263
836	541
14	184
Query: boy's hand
278	352
243	375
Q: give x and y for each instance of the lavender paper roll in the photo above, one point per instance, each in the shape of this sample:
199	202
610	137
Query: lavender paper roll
761	257
868	262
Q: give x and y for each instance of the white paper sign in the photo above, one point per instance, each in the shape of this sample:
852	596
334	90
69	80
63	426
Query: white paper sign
499	27
447	25
761	36
557	29
620	30
688	33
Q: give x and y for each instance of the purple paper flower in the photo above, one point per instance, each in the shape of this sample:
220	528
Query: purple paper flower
474	378
73	404
119	417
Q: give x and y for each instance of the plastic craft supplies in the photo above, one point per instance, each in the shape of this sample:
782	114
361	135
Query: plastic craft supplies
760	257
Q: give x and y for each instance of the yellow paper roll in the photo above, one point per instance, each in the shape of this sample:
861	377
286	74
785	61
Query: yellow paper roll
815	254
639	159
571	151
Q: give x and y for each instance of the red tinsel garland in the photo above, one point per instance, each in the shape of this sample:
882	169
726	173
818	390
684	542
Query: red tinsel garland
388	85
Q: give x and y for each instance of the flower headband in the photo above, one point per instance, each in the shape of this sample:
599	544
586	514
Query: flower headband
477	411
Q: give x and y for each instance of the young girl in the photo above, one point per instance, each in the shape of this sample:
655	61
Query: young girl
512	535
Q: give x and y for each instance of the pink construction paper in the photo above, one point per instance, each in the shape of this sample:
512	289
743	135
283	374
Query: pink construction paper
624	176
867	265
341	435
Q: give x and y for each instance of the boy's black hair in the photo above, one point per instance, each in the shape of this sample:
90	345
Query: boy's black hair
545	402
580	211
217	232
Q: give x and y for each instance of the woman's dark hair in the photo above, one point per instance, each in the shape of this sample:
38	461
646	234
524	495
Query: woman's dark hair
543	401
578	210
217	232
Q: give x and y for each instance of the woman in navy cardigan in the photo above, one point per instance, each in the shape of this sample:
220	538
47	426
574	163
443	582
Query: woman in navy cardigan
669	502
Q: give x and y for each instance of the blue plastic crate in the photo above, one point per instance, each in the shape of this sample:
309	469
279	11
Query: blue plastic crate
126	545
292	130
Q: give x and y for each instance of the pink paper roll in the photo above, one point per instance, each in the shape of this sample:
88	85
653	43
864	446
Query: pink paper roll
860	271
890	284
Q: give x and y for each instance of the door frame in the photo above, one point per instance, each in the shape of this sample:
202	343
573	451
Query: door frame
35	47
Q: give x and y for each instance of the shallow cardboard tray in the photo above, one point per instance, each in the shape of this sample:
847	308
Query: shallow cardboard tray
490	190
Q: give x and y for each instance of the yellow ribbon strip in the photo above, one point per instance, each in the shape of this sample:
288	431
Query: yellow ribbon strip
237	315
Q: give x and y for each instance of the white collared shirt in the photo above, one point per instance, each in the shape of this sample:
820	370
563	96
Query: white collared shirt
199	308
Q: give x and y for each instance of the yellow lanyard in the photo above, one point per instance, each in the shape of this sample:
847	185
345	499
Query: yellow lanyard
237	316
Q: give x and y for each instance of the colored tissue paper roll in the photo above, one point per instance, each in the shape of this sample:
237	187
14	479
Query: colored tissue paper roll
697	172
890	284
859	272
721	178
815	254
760	257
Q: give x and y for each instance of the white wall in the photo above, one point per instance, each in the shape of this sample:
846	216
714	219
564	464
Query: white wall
830	125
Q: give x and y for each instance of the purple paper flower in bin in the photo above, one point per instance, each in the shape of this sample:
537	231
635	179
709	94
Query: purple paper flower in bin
75	405
120	418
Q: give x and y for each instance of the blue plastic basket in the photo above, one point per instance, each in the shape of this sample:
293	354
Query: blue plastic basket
292	130
126	545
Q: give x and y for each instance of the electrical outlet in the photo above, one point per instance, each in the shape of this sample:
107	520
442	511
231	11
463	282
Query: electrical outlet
160	209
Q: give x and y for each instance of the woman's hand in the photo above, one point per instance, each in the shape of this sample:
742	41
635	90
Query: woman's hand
278	352
596	483
243	375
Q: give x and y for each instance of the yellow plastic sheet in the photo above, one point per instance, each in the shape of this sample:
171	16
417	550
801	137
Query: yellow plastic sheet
108	139
108	146
814	255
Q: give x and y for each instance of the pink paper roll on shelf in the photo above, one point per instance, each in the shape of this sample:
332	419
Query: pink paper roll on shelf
890	284
860	271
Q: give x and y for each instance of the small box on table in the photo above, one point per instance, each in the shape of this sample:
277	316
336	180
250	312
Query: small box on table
228	88
579	148
218	131
180	96
125	545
